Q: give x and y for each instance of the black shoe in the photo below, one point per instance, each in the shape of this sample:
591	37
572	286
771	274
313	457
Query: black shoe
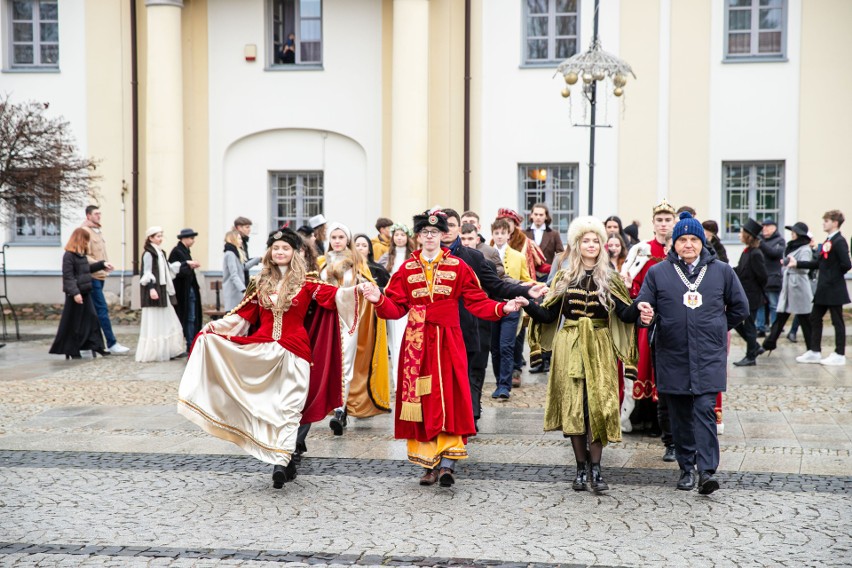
597	483
547	366
761	334
760	351
770	344
279	476
707	484
792	337
687	480
745	362
301	449
290	472
101	352
338	422
446	477
669	455
537	369
580	480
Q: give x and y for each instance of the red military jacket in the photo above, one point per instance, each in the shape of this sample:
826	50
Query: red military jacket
433	393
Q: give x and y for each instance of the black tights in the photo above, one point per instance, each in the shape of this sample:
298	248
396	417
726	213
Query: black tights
584	446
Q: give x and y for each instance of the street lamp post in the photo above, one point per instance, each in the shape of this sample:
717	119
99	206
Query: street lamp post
594	66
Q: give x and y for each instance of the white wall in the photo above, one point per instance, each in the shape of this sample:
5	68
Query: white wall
65	92
262	121
526	120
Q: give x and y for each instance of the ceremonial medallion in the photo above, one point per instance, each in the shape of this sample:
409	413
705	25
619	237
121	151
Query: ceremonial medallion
692	299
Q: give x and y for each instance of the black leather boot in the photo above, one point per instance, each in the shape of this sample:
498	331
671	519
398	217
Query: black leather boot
279	476
598	484
580	480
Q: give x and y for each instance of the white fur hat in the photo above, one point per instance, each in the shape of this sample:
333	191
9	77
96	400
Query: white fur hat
582	225
335	226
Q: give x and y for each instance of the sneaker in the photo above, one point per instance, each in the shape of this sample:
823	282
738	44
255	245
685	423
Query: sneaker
118	349
501	392
810	357
834	360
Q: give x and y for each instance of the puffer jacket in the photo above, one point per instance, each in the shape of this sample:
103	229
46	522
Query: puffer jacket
773	251
77	273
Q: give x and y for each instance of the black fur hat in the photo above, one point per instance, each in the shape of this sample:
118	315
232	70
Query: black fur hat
433	218
287	235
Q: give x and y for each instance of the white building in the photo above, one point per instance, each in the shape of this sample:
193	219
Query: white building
731	112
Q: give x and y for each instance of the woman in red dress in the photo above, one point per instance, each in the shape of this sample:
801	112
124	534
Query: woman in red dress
249	376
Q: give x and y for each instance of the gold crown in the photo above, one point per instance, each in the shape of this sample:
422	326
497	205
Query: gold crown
663	207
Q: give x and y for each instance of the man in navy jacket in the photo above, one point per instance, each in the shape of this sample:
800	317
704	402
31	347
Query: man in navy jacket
697	300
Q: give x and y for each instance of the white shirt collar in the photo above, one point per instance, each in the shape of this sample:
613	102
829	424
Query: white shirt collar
831	235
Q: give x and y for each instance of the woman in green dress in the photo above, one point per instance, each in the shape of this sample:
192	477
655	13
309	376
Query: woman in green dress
587	320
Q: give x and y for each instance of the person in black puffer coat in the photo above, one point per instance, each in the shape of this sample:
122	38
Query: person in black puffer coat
79	327
772	245
751	270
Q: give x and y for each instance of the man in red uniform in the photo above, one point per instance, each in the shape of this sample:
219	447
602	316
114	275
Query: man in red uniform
641	258
433	408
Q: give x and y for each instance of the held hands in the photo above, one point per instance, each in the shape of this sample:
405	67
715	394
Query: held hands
153	294
193	264
538	290
791	262
370	291
646	312
78	298
108	266
515	305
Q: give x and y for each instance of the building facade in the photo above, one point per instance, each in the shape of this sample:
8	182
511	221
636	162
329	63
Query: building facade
281	109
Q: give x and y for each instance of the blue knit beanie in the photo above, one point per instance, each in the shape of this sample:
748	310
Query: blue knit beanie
688	225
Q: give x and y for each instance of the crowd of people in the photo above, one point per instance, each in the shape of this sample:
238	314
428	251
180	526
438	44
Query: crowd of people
633	335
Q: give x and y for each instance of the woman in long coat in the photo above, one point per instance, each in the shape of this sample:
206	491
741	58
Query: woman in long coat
79	327
797	296
248	379
751	270
582	388
235	265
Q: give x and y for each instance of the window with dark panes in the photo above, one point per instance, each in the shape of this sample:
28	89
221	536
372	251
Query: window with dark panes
751	189
296	32
34	33
296	197
554	185
550	30
755	28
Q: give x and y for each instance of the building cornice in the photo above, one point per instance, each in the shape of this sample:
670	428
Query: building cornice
175	3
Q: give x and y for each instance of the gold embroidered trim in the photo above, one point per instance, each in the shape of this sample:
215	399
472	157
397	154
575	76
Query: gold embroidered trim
423	386
230	428
441	289
450	261
412	265
277	319
420	293
445	275
415	278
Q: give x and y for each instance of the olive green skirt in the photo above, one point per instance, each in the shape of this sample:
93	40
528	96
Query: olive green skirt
583	369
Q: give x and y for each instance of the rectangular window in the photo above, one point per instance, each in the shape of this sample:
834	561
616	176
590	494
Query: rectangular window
296	32
36	221
753	190
554	185
33	33
296	197
755	29
551	30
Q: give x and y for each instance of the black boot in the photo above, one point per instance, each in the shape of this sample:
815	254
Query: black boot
338	422
279	476
598	484
580	480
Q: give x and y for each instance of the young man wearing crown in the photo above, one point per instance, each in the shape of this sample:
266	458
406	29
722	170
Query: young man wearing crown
433	407
640	259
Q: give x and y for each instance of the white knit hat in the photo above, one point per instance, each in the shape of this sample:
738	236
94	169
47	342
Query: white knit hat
335	226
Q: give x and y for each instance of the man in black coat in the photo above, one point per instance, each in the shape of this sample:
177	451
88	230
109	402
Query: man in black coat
831	292
496	289
187	291
772	246
697	300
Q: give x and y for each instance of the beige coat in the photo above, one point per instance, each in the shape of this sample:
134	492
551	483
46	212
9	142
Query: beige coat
96	250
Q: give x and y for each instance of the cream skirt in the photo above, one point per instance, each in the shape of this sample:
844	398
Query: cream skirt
251	395
160	336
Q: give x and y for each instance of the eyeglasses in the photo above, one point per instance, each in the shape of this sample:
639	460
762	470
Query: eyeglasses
429	233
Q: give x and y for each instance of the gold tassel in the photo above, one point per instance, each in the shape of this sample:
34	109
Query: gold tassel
411	412
423	386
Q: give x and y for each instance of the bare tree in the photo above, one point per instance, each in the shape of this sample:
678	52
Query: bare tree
41	172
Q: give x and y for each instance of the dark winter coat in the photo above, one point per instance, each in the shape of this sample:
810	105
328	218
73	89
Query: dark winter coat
183	282
717	245
77	273
691	344
149	254
751	270
496	289
773	251
831	287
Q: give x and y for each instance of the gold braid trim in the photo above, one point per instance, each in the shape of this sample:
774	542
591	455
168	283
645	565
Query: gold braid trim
251	292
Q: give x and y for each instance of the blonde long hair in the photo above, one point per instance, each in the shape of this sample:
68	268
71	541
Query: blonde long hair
271	281
233	237
576	272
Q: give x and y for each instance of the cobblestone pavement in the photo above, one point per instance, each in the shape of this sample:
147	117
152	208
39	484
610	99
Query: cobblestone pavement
97	469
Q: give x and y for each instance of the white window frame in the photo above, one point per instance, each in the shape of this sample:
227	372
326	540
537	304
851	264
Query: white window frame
752	208
551	34
36	42
40	226
274	22
754	33
301	200
544	192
